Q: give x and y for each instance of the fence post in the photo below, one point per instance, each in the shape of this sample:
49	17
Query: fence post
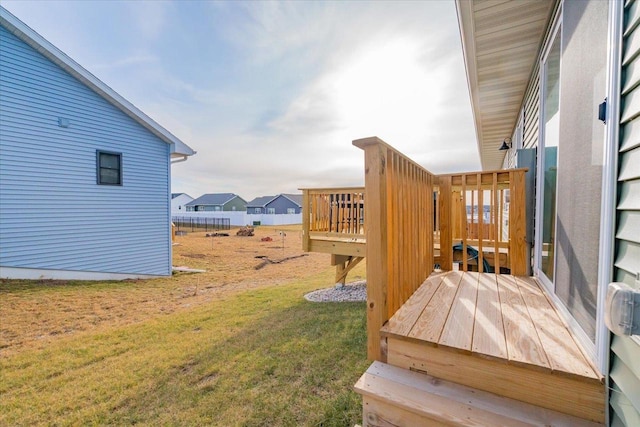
375	155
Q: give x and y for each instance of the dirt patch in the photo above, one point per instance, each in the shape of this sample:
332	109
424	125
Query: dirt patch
35	313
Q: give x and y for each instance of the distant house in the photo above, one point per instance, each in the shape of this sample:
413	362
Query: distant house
276	205
178	202
84	174
217	202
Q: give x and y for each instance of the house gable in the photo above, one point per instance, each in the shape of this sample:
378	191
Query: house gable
281	205
54	215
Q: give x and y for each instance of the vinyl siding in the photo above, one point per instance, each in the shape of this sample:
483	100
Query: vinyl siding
531	107
625	351
53	215
280	204
237	203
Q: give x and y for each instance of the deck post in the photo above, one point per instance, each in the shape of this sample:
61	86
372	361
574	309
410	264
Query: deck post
444	208
517	223
306	217
375	161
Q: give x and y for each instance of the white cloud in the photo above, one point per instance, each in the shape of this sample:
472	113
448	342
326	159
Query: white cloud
272	93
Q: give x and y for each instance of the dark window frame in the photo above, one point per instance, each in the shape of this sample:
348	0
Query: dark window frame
99	167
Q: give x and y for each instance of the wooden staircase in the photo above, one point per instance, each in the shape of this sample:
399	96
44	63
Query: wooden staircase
480	349
394	396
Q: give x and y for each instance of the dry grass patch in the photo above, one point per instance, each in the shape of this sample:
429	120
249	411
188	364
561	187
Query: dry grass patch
233	346
35	313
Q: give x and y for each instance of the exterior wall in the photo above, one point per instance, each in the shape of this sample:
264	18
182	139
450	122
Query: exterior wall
625	351
53	215
178	203
237	204
281	204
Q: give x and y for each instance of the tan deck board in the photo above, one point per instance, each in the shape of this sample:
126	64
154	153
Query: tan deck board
430	324
523	344
402	322
488	331
512	320
561	350
519	345
458	329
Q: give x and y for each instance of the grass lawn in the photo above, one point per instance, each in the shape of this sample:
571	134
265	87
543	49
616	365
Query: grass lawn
187	350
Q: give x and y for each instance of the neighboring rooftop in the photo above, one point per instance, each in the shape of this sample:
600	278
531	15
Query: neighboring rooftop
213	199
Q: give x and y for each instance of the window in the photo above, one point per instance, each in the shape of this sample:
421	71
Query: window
291	210
257	210
108	168
271	211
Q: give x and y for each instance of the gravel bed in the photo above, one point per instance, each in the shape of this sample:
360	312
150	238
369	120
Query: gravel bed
355	291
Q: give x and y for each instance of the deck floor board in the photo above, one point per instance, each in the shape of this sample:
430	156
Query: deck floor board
429	325
498	316
496	333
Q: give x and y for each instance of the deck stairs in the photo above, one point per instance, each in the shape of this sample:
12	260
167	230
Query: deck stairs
470	349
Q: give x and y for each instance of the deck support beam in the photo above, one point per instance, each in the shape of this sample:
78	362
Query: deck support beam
344	264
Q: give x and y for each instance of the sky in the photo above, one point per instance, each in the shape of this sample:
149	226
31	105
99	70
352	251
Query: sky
271	94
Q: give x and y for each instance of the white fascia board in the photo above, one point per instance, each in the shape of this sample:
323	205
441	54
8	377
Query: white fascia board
464	10
48	50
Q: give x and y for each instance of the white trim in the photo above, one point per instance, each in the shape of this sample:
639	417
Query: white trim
46	274
555	32
58	57
609	187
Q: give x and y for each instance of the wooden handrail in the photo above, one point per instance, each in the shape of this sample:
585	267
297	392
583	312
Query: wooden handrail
399	233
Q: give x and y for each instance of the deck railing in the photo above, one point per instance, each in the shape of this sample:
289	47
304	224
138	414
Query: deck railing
399	211
332	213
481	221
414	221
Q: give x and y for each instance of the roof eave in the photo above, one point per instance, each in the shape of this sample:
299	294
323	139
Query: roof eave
51	52
464	10
491	53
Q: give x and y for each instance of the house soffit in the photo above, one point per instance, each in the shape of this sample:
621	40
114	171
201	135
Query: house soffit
500	41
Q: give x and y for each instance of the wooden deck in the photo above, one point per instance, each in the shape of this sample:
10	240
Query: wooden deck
496	333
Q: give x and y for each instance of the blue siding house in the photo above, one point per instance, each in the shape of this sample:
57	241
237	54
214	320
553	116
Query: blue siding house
216	202
280	204
84	175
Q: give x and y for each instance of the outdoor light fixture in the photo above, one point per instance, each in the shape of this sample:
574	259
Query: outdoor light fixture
506	144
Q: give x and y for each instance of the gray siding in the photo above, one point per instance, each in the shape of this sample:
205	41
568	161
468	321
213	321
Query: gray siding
53	215
625	351
238	203
281	204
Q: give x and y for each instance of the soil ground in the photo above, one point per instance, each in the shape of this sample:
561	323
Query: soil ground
33	316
